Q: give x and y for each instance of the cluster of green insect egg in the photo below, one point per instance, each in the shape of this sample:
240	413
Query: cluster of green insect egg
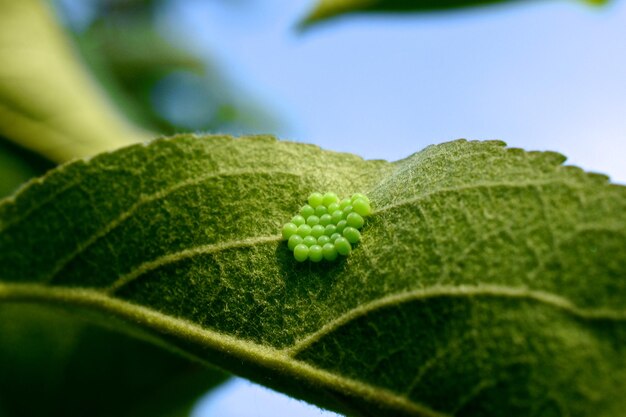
326	227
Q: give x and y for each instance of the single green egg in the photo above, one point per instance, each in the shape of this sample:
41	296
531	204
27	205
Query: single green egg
289	229
330	229
309	241
315	253
356	196
342	245
294	241
330	198
333	207
325	220
336	217
329	252
307	211
315	199
355	220
320	211
351	234
312	220
340	226
362	207
345	203
301	252
298	220
304	230
317	231
346	210
322	240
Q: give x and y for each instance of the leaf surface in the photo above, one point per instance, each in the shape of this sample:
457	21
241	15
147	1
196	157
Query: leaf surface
490	281
328	9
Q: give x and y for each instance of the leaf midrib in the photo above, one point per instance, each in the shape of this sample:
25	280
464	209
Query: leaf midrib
282	360
484	290
270	358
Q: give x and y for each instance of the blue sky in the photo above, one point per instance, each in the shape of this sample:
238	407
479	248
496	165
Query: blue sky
240	398
542	75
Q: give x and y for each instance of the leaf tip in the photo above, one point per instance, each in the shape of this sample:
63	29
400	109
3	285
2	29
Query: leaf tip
327	9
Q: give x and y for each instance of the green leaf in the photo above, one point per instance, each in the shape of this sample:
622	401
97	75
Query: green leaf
327	9
18	166
48	101
54	364
489	281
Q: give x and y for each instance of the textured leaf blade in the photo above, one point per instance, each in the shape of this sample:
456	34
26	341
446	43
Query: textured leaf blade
328	9
483	275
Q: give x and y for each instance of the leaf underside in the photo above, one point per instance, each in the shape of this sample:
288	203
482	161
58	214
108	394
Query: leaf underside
489	281
54	364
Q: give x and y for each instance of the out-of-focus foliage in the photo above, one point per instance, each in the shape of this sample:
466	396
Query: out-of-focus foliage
53	106
57	365
48	102
327	9
17	165
156	82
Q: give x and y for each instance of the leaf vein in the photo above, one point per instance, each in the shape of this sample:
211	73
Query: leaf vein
475	186
185	331
143	200
148	266
461	291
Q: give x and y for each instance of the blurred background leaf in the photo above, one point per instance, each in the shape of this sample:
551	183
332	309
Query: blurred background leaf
155	77
60	109
18	165
48	103
326	9
109	76
53	364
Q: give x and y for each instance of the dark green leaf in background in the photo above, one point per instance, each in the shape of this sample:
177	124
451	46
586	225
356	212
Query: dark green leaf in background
17	166
326	9
55	364
489	282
